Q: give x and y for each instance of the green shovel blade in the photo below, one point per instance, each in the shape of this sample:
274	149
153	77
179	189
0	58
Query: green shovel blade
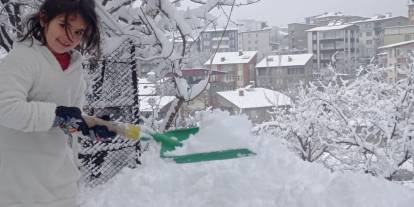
172	139
210	156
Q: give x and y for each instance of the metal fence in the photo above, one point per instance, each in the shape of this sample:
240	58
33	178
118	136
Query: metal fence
113	91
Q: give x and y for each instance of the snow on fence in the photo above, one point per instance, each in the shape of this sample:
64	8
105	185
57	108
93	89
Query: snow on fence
113	91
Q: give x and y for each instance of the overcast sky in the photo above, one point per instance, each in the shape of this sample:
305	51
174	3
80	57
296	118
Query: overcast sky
283	12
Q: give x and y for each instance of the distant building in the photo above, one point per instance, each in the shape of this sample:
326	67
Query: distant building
209	40
283	72
371	33
195	75
250	25
255	40
336	44
254	102
397	59
238	71
411	12
298	37
398	34
279	38
333	18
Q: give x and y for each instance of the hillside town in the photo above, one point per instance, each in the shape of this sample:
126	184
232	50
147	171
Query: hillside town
250	55
166	103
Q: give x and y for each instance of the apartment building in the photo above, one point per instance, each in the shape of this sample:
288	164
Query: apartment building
298	37
210	39
328	18
397	59
337	44
371	34
256	40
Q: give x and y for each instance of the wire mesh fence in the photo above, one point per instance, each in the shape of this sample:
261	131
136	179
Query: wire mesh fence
113	85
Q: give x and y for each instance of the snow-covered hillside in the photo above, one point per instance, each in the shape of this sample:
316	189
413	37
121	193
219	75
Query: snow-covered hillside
274	177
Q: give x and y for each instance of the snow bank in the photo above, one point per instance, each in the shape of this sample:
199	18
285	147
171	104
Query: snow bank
274	177
217	133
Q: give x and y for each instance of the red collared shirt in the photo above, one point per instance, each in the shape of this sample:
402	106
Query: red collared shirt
63	59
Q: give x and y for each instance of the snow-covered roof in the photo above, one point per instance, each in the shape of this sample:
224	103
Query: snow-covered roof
220	29
224	58
327	28
330	14
146	87
397	44
266	29
377	18
255	98
284	60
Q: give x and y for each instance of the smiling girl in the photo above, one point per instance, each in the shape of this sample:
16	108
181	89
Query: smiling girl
41	93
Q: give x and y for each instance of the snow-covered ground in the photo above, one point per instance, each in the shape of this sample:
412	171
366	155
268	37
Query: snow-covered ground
274	177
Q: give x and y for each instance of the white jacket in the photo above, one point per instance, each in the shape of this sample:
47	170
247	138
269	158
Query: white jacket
36	166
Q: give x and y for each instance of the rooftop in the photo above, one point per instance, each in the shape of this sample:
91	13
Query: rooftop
377	18
327	28
397	44
284	60
224	58
255	98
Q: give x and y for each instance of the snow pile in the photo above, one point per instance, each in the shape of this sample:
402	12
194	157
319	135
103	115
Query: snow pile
274	177
217	133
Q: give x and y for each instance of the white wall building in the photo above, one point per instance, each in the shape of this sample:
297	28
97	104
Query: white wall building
341	40
254	102
257	40
371	33
284	72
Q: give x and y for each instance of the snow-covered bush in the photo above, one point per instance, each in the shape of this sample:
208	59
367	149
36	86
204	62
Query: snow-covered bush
365	124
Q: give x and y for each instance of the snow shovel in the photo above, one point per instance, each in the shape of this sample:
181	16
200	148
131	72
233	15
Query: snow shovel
169	141
172	139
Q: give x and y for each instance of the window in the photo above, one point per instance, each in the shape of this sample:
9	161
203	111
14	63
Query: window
407	37
369	42
293	71
262	72
368	34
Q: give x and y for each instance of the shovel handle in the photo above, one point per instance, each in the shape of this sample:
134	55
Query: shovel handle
93	121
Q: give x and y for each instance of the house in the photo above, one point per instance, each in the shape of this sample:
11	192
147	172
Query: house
371	34
237	71
257	40
283	72
338	43
254	102
195	75
238	67
397	59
